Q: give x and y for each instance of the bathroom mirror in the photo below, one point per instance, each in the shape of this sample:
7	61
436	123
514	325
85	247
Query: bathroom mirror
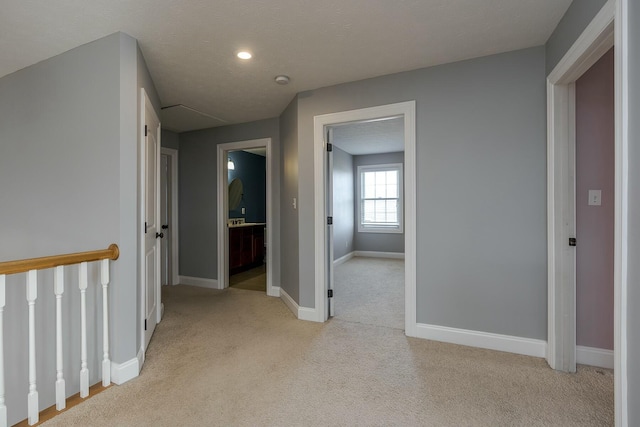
235	193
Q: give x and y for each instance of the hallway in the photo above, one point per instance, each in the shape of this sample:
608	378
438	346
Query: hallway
238	357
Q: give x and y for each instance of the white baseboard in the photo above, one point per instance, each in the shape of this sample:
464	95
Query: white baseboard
289	302
594	357
343	259
302	313
123	372
510	344
199	281
141	356
308	314
275	291
375	254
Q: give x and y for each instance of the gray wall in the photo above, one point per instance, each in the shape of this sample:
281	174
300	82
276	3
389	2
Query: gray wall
197	181
289	242
343	203
572	24
377	242
65	132
633	301
481	192
170	139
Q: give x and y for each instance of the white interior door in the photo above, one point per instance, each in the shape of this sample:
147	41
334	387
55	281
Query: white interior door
329	204
152	226
165	218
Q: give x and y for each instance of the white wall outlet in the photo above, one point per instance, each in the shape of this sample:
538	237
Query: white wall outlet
595	197
242	211
295	203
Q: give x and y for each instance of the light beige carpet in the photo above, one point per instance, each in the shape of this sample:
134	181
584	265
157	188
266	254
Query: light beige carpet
370	291
240	358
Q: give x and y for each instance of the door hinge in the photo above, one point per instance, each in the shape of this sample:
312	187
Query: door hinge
329	147
145	130
145	324
145	227
572	241
330	293
329	220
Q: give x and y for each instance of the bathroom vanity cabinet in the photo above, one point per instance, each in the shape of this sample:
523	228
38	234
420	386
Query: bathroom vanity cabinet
246	247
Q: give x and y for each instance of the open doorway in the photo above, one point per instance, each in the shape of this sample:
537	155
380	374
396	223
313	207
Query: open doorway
324	257
245	215
366	166
169	216
596	41
595	163
247	189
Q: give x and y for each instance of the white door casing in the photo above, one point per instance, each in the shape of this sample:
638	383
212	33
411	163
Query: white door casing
223	211
599	36
408	111
596	40
150	192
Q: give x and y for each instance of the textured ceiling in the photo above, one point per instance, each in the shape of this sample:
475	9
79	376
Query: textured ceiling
190	45
372	137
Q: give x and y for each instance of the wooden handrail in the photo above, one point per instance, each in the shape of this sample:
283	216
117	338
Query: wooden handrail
23	265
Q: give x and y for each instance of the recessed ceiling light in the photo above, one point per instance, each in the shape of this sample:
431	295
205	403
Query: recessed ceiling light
244	55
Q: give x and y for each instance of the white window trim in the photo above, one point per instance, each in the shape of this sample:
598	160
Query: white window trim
382	229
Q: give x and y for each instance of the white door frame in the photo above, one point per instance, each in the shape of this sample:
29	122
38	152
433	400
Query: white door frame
408	111
223	210
145	103
597	39
173	158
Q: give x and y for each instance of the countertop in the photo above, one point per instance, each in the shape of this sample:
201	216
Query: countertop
247	224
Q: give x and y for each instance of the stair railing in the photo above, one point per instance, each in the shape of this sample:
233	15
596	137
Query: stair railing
57	262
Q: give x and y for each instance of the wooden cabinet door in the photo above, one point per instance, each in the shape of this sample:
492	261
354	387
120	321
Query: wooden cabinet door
235	247
246	246
258	244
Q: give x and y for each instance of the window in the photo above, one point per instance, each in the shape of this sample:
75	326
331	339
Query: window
380	198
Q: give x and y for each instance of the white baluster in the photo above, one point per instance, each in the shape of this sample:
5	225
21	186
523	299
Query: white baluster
3	408
58	289
84	371
32	397
106	363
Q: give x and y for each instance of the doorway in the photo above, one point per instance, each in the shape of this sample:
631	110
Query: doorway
169	215
595	163
324	247
246	173
366	237
250	244
595	41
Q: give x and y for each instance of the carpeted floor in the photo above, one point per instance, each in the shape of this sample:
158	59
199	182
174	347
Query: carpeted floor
240	358
251	280
370	291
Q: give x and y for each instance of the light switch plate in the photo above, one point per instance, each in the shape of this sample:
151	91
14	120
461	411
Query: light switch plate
595	197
